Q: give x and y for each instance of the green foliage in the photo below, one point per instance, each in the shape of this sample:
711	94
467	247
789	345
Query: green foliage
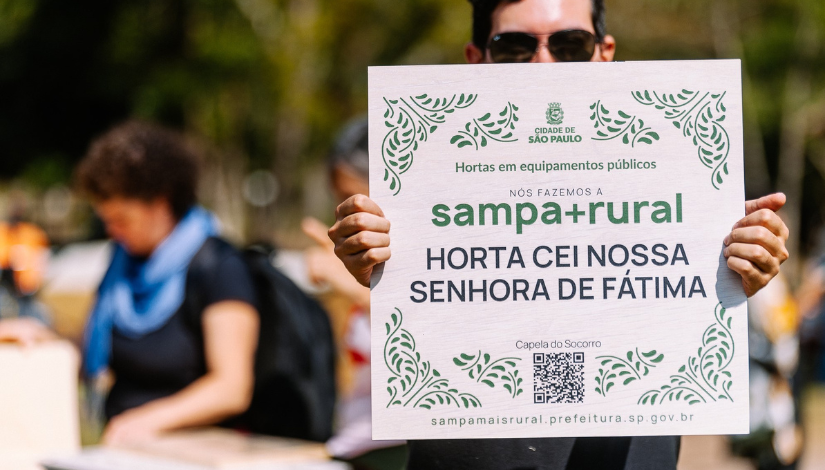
410	121
44	172
14	17
699	116
414	382
704	377
483	369
631	129
488	128
262	83
625	370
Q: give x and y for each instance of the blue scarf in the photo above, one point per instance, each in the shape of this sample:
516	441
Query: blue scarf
137	296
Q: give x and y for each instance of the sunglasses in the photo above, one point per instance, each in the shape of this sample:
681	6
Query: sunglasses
573	45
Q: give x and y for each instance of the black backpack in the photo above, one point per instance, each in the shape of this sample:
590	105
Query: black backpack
294	393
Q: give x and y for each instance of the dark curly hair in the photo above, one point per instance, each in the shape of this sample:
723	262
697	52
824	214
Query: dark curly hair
139	160
483	21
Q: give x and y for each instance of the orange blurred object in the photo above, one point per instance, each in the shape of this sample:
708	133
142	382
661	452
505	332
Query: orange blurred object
782	319
23	250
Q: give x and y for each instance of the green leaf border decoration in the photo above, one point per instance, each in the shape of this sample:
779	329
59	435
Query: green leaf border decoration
631	129
410	122
478	131
636	366
482	369
703	378
699	115
415	382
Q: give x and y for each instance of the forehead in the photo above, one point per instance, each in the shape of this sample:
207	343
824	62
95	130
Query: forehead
542	16
119	207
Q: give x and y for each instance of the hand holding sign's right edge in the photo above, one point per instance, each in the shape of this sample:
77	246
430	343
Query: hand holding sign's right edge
361	236
755	247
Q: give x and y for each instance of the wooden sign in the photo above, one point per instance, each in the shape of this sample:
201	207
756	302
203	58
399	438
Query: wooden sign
557	236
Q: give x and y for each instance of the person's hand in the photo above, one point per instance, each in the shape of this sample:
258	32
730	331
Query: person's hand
323	267
361	236
135	425
25	331
755	247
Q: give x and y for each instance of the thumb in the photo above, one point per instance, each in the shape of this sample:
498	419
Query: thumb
773	202
317	231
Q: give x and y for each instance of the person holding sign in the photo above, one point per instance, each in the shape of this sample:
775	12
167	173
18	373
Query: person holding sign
541	31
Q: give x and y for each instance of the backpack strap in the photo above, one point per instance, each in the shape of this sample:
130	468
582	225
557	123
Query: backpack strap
205	262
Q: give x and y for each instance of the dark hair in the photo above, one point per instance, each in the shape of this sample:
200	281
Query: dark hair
352	148
483	19
141	161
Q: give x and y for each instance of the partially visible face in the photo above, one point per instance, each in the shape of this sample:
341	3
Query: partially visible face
541	18
139	226
346	183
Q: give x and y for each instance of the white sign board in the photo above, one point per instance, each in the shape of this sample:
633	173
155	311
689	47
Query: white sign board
557	264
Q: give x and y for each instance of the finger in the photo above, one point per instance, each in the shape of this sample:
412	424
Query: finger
362	241
772	202
756	254
759	236
360	265
317	231
314	270
766	218
752	278
359	222
357	203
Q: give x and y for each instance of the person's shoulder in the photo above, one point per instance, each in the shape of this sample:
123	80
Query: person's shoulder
222	272
215	251
217	261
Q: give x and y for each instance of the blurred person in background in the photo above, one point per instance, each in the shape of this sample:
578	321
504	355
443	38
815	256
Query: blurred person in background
775	441
811	298
168	372
552	31
24	250
349	175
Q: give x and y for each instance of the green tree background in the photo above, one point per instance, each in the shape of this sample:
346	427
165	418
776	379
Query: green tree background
265	84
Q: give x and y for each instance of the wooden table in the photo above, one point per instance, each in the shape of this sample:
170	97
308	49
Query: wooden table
203	449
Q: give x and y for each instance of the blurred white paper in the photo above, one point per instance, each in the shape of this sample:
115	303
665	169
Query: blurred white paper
38	403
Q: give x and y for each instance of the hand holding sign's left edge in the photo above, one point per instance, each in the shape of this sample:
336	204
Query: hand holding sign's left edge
755	247
361	235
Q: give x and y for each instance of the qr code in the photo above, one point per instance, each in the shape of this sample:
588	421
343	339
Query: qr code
558	377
